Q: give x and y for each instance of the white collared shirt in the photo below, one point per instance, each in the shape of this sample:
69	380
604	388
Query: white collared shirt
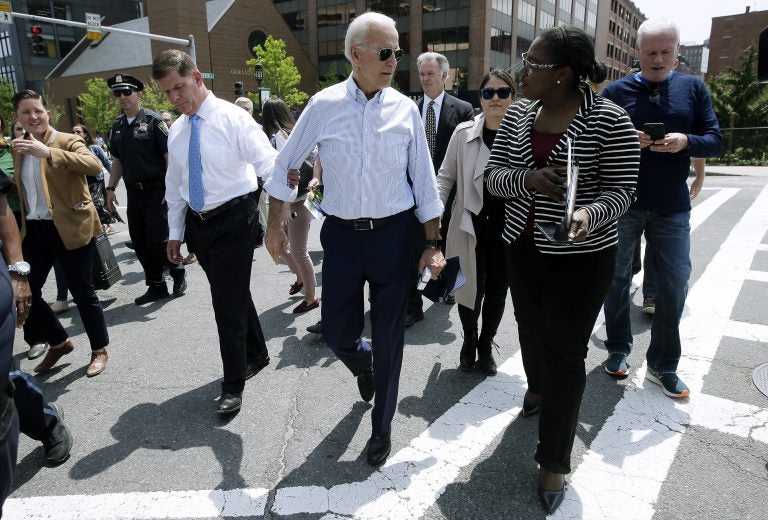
436	107
34	197
368	149
231	146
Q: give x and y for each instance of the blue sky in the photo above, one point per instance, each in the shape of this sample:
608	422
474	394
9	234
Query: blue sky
695	16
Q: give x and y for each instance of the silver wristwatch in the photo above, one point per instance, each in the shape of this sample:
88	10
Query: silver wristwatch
21	268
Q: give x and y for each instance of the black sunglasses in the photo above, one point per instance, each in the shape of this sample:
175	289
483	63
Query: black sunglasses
654	98
123	92
503	92
386	53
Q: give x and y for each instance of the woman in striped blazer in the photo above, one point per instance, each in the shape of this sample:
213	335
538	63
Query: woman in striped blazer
558	287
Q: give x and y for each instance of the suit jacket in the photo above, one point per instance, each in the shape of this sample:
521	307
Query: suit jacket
463	168
65	188
453	112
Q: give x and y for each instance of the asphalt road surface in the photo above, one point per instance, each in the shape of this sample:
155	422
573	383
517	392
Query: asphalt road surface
148	443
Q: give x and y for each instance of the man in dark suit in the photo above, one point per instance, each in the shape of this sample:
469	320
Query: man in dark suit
441	113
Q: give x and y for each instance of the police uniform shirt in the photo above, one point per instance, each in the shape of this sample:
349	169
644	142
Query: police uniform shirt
140	146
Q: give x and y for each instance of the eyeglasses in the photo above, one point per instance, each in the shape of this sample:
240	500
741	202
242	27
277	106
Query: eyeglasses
530	67
124	92
386	53
503	92
654	98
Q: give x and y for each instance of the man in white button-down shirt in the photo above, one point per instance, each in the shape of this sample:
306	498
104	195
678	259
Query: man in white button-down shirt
370	139
221	230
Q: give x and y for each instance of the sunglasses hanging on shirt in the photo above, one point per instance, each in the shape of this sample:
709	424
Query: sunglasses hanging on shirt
655	97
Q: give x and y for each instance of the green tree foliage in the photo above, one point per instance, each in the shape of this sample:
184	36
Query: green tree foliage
280	73
741	101
331	76
153	98
97	106
6	105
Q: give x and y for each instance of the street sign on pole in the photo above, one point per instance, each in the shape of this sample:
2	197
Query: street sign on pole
207	75
5	13
93	26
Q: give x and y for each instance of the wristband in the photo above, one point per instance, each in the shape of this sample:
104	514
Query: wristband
109	188
434	243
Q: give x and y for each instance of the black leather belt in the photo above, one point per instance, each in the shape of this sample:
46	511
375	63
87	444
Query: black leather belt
204	216
143	185
364	224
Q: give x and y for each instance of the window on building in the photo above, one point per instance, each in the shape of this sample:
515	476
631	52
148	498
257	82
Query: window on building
546	20
503	6
341	14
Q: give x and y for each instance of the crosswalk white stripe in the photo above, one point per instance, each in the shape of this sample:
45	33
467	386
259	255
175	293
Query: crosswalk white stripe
757	276
747	331
630	457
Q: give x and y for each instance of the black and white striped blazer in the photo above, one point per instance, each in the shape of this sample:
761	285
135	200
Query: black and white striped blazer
607	147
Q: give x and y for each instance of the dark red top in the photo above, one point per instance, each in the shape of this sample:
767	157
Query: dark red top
542	147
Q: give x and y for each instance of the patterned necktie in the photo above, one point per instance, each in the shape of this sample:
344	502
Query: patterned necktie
196	194
431	130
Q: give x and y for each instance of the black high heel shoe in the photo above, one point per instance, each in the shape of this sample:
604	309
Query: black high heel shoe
551	500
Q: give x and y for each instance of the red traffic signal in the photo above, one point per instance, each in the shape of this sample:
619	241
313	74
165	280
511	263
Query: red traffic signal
36	29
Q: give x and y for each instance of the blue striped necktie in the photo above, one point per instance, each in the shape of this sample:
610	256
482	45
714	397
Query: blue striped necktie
196	193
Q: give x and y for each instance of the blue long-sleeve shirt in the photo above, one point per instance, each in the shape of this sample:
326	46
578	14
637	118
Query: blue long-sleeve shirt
684	107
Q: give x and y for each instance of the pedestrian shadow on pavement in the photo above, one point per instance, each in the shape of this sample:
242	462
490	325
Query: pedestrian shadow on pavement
179	423
299	353
434	328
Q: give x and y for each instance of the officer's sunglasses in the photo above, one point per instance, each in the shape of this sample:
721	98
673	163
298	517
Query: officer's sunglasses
123	92
503	92
386	53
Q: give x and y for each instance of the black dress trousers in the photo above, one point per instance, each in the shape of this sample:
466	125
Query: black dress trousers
224	248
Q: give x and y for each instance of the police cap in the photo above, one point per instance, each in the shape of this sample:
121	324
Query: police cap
125	82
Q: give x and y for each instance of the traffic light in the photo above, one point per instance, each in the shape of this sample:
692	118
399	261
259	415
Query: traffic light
238	89
39	47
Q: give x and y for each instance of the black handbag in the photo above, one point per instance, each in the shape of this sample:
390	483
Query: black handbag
106	270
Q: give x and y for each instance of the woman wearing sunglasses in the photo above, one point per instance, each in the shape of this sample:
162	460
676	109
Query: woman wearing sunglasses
558	287
478	217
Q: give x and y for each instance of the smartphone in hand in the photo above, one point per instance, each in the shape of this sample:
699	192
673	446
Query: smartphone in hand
655	130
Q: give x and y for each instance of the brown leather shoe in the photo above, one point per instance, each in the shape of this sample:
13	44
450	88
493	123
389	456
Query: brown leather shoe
53	356
98	362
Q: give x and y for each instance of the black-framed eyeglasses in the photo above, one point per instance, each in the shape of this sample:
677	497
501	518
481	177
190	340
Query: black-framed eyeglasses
654	98
122	92
503	92
385	53
531	67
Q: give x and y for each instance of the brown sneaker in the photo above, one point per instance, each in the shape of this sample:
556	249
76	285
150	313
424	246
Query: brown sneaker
53	356
98	362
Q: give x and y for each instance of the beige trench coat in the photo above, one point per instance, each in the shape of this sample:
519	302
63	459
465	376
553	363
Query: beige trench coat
463	166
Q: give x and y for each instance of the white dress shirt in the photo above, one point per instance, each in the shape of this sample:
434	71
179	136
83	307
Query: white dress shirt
368	148
436	107
231	146
34	196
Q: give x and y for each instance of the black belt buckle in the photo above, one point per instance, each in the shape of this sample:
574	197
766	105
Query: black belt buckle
362	224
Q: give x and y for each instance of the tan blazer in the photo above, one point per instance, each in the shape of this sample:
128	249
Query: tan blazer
65	188
463	166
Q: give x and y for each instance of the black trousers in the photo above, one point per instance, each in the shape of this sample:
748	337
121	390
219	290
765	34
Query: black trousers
42	247
36	418
418	238
148	228
557	299
492	284
9	421
380	257
9	447
224	248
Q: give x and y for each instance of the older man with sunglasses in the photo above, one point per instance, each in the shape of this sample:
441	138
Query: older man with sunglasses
139	145
372	142
679	108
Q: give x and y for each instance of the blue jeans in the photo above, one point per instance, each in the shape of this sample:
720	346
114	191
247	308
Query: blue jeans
668	236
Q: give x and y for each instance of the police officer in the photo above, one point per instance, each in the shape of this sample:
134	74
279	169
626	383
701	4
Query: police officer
138	142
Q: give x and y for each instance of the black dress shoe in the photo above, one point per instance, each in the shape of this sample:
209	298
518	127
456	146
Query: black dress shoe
413	317
551	500
365	385
378	448
255	366
230	403
317	328
179	281
154	292
530	409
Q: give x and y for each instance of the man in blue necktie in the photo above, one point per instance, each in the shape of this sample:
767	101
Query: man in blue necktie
213	149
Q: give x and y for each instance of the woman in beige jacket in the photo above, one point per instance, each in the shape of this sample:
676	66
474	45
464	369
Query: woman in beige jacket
478	217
